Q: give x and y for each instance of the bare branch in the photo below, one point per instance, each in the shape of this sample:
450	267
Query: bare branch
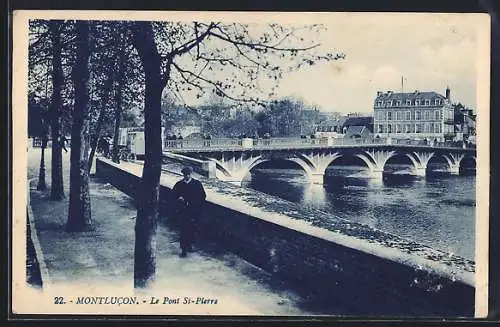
186	47
216	85
261	46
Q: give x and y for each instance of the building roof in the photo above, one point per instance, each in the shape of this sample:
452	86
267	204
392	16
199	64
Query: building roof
408	96
358	121
354	131
333	122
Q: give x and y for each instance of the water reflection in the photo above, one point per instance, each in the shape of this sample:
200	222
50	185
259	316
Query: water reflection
313	194
437	210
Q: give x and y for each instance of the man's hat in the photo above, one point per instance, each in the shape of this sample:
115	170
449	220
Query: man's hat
187	170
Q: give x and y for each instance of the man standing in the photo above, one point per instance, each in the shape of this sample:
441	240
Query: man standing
190	196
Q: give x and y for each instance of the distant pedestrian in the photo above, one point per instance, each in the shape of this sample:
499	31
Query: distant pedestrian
63	141
103	146
190	196
180	140
267	138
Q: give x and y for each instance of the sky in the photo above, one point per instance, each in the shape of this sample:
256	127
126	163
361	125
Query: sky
429	51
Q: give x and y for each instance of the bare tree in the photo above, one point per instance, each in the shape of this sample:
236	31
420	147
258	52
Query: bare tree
102	65
146	222
57	184
120	79
225	59
79	215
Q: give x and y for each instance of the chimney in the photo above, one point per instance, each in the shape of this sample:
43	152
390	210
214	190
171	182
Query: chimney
448	93
379	93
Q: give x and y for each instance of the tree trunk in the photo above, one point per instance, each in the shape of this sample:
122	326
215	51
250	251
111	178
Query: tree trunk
116	135
42	186
146	222
97	136
97	133
57	185
118	102
79	217
41	175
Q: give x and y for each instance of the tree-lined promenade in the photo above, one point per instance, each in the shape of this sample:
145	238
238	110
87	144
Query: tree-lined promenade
88	77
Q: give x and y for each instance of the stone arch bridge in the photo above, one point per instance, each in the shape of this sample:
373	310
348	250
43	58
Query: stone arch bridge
233	164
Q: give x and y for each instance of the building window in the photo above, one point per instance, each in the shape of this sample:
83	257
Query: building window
407	128
388	103
437	115
408	102
417	102
417	115
398	103
427	102
418	128
398	128
379	103
426	128
389	128
398	115
408	115
449	114
437	102
426	115
389	115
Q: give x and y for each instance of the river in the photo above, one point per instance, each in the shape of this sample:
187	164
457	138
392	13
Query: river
437	210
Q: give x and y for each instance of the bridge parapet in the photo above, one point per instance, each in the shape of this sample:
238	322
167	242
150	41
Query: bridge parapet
232	144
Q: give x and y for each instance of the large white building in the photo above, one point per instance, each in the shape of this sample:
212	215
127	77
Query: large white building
415	115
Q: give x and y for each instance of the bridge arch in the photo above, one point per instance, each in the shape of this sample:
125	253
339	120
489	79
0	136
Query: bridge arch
437	163
468	162
376	160
347	159
454	160
401	161
229	171
221	170
420	160
306	165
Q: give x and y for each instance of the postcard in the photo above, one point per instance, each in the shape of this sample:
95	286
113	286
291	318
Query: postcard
250	164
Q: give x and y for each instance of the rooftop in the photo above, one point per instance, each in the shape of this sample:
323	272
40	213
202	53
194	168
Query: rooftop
359	121
389	95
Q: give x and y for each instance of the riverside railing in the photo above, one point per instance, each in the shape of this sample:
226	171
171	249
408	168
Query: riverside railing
295	142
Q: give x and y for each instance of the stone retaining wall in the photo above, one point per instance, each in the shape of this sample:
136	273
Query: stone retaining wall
361	282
